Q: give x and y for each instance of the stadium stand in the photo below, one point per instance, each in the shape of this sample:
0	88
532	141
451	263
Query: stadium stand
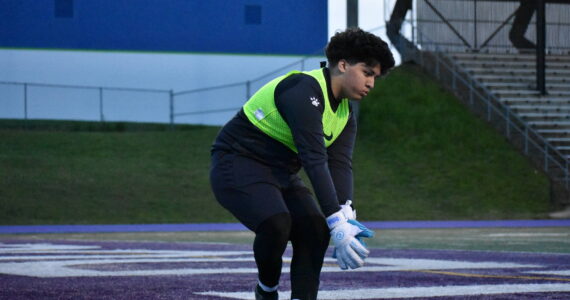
497	80
511	77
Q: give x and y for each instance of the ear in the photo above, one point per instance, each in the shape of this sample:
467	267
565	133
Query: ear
342	65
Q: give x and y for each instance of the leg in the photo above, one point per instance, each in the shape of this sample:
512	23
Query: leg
271	239
242	187
310	240
520	24
395	23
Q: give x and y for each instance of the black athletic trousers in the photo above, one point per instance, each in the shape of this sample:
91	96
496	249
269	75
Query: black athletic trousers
279	208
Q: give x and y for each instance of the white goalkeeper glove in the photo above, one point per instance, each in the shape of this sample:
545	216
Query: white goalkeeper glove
350	253
347	210
350	214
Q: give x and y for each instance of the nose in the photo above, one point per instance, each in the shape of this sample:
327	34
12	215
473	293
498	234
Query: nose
370	83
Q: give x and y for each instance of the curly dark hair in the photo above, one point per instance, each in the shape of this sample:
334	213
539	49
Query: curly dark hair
356	45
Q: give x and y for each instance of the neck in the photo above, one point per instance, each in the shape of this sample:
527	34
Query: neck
336	86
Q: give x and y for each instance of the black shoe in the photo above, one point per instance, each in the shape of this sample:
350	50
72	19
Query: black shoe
260	294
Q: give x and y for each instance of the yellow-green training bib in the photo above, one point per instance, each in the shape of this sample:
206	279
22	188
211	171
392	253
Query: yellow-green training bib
262	112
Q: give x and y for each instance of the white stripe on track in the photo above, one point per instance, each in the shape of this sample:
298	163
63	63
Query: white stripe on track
415	292
554	272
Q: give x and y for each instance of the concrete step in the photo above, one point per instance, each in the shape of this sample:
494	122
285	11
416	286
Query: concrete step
551	133
530	79
559	140
550	124
560	101
541	109
516	72
530	93
490	57
545	118
528	85
549	116
517	86
555	65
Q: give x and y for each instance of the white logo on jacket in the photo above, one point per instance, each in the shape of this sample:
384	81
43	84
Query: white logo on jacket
315	101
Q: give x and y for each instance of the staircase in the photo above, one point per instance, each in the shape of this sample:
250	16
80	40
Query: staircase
512	78
538	125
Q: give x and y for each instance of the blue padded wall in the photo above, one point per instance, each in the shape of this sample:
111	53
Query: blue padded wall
295	27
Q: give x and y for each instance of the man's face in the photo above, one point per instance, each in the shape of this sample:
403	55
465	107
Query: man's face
358	79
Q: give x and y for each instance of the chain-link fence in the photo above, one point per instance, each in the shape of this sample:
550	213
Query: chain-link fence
210	105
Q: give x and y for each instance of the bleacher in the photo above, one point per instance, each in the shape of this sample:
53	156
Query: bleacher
476	50
512	78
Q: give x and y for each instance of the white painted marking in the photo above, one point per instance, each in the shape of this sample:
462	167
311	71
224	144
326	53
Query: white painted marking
557	272
528	234
133	257
415	292
124	253
437	264
83	262
69	268
20	248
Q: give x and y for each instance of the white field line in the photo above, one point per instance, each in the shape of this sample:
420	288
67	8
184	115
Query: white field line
557	272
80	268
415	292
527	234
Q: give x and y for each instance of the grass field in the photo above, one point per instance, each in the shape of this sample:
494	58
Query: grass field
419	156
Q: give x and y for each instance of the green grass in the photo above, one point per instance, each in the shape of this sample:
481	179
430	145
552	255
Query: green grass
419	156
106	177
420	150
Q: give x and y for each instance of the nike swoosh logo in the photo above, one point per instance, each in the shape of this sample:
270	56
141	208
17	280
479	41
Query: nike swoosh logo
328	137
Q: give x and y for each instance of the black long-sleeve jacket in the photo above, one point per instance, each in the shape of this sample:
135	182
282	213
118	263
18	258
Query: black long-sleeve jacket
329	169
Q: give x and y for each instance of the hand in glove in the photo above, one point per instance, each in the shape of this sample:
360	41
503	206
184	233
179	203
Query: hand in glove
350	253
350	214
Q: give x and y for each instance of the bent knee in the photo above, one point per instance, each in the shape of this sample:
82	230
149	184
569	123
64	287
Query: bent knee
311	228
277	226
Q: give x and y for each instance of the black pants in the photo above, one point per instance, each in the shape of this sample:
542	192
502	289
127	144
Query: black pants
279	208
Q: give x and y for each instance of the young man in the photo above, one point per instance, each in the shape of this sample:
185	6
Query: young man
301	119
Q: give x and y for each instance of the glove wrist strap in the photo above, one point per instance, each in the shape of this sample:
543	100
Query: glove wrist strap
336	219
347	210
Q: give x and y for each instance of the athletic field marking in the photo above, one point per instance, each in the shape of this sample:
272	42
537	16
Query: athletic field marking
80	267
415	292
557	272
126	258
458	273
84	263
31	248
528	234
493	276
437	264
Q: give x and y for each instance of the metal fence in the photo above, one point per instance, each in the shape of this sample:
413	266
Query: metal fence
27	101
44	101
183	100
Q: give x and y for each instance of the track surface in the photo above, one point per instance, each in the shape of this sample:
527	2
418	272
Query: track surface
95	269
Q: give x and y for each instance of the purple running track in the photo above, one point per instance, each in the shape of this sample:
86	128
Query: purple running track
10	229
36	269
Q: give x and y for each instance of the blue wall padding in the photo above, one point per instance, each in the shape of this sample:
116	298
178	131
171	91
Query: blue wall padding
219	26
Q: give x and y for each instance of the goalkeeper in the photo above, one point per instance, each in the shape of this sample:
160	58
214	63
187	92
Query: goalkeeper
300	120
